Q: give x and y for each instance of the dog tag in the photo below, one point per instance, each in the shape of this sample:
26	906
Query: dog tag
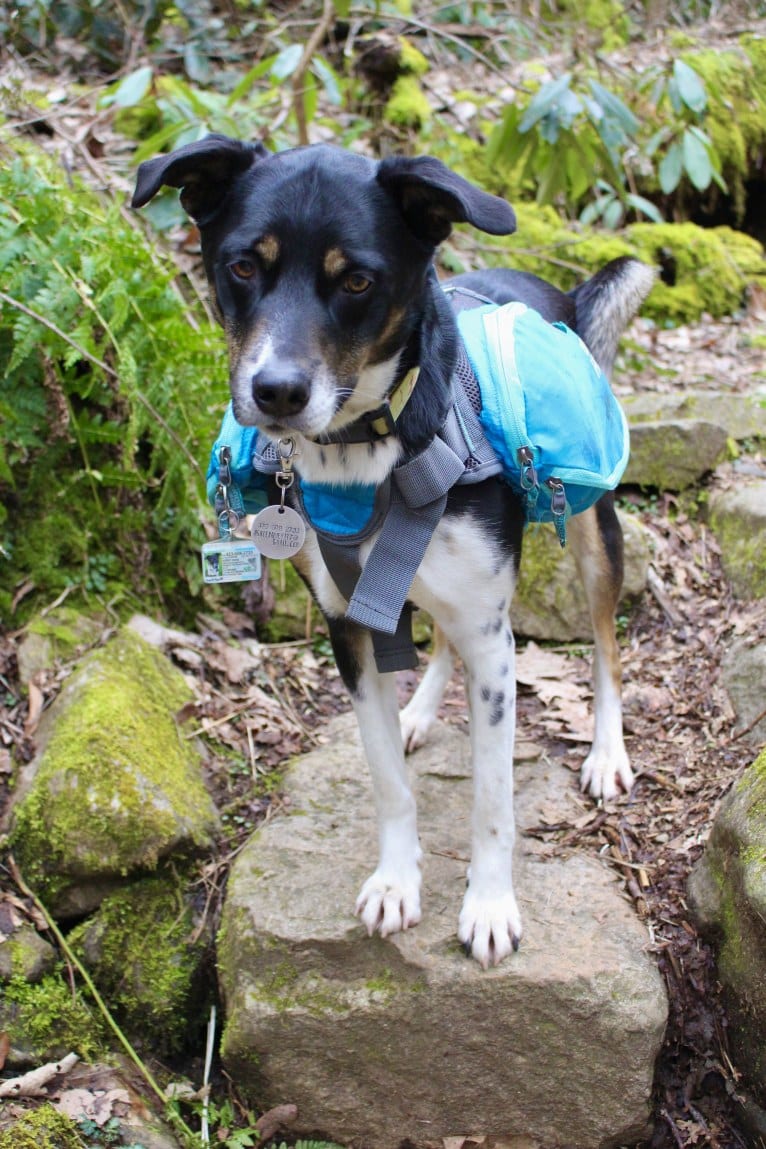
278	532
230	560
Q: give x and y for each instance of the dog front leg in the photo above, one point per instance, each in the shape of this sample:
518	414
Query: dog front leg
490	923
389	900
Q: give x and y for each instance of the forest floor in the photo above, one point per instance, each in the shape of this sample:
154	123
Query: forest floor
263	704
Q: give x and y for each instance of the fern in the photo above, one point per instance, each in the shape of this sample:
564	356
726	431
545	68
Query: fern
110	394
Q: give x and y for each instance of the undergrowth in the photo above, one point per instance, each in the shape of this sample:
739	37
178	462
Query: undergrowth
109	393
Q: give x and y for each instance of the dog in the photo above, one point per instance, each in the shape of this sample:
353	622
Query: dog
320	263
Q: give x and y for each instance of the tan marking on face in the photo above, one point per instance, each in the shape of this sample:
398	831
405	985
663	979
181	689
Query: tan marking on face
268	249
335	262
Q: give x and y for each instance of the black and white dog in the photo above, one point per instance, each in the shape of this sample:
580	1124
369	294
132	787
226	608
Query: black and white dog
320	269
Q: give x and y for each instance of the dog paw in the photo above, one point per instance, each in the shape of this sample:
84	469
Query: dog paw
415	723
388	906
489	928
603	774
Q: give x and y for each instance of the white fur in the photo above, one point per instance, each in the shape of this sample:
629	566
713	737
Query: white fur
489	923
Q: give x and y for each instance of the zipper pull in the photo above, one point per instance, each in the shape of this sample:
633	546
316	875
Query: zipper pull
558	508
526	460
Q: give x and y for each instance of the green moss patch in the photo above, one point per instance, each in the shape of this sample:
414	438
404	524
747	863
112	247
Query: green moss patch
141	951
43	1128
46	1021
118	786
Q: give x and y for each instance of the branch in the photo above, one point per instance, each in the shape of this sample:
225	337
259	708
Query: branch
313	42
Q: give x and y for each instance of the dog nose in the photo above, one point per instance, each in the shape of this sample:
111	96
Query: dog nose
281	389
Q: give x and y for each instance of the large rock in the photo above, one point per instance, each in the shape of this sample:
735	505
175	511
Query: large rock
744	676
740	416
727	891
549	602
115	787
738	518
385	1041
673	454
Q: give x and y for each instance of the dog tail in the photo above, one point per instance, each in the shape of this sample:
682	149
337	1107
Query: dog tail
606	304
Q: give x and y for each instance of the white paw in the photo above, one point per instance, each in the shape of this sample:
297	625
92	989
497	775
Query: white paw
604	773
389	905
415	722
489	927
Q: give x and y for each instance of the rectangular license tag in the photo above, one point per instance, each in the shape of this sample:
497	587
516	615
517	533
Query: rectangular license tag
230	560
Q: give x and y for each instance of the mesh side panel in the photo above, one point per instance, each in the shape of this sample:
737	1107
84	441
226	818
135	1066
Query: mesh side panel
467	381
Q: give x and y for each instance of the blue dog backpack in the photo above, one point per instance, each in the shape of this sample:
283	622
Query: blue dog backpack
547	410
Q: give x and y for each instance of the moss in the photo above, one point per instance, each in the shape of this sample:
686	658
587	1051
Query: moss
43	1128
137	948
735	82
116	778
412	59
740	535
292	607
408	105
48	1021
67	628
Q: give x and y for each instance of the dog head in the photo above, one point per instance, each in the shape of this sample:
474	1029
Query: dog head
318	263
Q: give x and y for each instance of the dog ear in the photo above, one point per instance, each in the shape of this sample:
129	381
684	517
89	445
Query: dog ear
432	198
203	170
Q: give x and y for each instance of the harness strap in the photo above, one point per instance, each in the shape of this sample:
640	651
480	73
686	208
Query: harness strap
377	596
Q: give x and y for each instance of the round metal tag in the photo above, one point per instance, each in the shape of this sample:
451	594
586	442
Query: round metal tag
278	532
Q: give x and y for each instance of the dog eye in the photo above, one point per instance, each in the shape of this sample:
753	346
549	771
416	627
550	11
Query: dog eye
356	283
243	269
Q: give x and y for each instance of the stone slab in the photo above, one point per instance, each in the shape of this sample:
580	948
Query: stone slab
385	1041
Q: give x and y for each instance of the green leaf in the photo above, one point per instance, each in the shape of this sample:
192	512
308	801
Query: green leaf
696	160
613	214
671	168
690	87
328	79
596	209
286	62
132	89
242	89
646	207
615	109
544	101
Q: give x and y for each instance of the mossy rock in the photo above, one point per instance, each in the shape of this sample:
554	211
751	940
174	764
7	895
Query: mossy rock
43	1128
738	518
735	83
293	605
728	896
139	949
61	633
672	455
45	1021
116	785
713	266
26	955
550	602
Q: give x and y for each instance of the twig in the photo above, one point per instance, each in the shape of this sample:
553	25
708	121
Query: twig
657	587
32	1084
750	726
315	39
